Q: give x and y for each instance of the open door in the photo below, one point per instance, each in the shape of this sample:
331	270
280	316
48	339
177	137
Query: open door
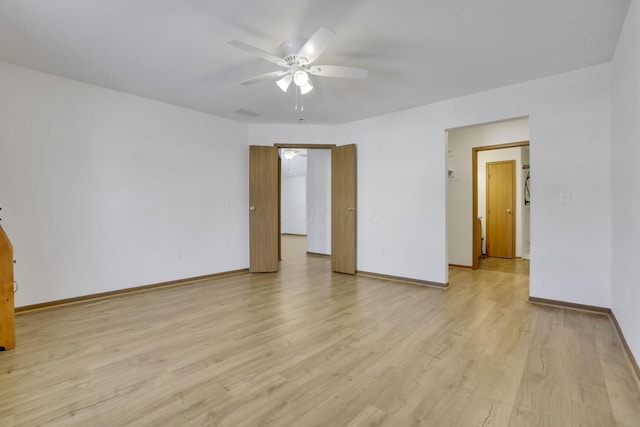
343	209
264	224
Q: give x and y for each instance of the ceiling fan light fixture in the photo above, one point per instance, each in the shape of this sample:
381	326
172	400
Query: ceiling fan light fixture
289	154
300	78
306	88
284	82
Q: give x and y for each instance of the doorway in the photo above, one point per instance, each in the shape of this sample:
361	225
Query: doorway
265	207
469	148
502	234
305	199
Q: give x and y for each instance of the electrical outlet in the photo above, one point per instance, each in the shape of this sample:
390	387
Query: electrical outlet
179	254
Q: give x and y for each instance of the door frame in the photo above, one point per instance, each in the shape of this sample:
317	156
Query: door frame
291	146
474	190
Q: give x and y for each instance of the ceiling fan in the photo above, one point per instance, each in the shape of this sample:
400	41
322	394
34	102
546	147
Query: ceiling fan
297	59
290	154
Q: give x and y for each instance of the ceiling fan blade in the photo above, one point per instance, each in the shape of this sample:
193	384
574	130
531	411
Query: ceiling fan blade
339	71
264	77
257	52
316	44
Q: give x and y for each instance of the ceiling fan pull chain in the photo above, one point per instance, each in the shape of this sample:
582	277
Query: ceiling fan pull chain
300	106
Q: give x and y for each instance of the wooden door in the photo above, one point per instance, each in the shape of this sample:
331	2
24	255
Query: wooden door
263	209
279	207
343	209
501	219
7	316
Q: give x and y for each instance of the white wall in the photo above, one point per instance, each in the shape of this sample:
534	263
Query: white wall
626	179
319	201
402	219
102	190
293	217
459	190
485	157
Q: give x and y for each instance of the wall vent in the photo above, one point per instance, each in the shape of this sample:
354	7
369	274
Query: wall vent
247	113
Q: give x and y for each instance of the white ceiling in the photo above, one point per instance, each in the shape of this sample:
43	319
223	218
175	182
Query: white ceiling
417	51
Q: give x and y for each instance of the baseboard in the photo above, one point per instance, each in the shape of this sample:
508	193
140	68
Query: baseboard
571	305
594	309
404	279
83	298
469	267
632	359
318	254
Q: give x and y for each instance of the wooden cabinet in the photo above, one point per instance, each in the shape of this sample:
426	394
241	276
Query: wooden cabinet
7	315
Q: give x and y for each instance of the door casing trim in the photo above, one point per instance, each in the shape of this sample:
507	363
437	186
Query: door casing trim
474	190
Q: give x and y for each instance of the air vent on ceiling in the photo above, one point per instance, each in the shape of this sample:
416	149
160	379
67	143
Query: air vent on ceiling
247	113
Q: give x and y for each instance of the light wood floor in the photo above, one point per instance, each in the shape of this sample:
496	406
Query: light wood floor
504	265
307	347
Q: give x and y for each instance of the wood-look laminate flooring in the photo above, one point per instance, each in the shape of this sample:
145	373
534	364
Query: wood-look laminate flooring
503	265
307	347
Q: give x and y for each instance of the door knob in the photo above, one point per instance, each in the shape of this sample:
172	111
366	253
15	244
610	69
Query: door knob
350	209
508	210
252	208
